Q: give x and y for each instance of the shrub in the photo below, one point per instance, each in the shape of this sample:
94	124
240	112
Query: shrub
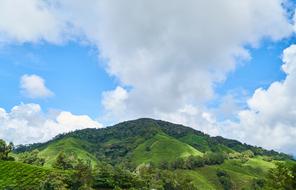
31	158
224	179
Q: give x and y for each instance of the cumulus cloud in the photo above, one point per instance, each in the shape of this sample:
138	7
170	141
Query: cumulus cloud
172	53
33	86
30	21
114	100
27	123
270	120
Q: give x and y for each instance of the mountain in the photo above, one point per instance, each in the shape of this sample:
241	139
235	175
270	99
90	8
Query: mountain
142	140
171	147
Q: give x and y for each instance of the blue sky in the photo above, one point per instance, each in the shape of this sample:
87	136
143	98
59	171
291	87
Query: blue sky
72	71
67	65
78	77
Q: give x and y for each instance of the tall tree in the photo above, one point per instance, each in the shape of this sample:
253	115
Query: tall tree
5	149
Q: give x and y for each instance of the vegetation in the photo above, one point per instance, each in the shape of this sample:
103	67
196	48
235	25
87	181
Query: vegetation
15	175
143	154
5	149
31	158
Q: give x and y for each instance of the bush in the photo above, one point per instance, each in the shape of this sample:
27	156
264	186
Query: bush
179	163
248	154
193	162
224	179
214	158
31	158
65	162
258	184
54	182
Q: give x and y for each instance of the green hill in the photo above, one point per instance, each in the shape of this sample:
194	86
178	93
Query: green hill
162	147
68	145
16	175
147	142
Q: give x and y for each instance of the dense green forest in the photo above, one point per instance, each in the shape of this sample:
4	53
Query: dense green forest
143	154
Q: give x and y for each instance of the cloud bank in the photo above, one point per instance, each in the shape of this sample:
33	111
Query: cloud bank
27	123
270	120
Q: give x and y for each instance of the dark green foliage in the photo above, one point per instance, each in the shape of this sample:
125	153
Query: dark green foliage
212	158
240	147
258	184
225	180
164	165
248	154
31	158
82	176
193	162
107	176
54	181
65	162
164	179
179	163
282	177
5	149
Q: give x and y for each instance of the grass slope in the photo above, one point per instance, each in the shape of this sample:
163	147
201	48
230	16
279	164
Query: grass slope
201	143
16	175
241	174
162	147
68	145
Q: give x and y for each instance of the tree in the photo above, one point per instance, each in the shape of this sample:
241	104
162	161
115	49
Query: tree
164	165
280	178
54	182
193	162
293	174
65	162
224	179
31	158
82	177
212	158
104	176
5	150
248	154
258	184
179	163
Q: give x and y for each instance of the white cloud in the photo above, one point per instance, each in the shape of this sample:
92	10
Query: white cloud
114	100
74	122
172	53
30	21
270	120
33	86
27	123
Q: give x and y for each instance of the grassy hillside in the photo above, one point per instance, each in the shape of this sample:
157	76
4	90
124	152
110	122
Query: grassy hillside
162	147
21	176
242	174
137	143
68	146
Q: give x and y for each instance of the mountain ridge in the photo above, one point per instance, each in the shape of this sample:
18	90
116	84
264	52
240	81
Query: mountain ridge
156	152
147	127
